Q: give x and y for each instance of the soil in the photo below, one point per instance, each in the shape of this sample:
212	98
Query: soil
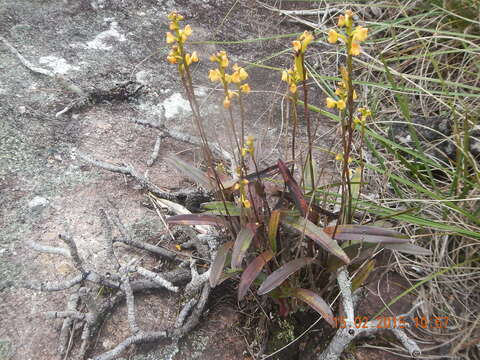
47	190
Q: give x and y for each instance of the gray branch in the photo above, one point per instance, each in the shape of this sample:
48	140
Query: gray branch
156	151
156	278
344	336
47	249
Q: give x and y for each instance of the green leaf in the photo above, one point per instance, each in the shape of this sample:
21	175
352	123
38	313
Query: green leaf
242	243
218	208
276	278
273	229
362	275
252	271
316	302
216	270
318	235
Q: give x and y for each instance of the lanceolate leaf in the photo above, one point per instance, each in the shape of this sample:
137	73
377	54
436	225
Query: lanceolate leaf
216	270
276	278
317	303
196	219
318	235
273	229
190	171
218	208
356	252
366	233
252	271
292	185
242	243
409	249
362	275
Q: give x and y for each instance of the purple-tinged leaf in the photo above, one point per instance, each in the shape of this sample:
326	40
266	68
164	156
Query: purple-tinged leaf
276	278
216	270
242	243
273	224
292	185
190	171
409	249
366	233
196	219
317	303
318	235
252	271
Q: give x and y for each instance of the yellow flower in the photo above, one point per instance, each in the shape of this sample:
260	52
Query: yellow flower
293	88
223	59
173	16
243	74
173	26
348	18
355	49
214	75
306	38
187	30
246	204
237	185
194	57
245	88
250	140
228	78
354	95
236	77
171	59
285	75
341	104
245	181
244	152
226	102
191	58
341	21
297	45
339	92
339	157
331	103
360	33
178	247
231	94
332	36
170	38
213	58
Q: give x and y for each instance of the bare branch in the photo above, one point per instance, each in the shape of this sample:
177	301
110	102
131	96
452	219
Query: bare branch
77	262
63	80
156	150
47	249
184	312
67	323
156	278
